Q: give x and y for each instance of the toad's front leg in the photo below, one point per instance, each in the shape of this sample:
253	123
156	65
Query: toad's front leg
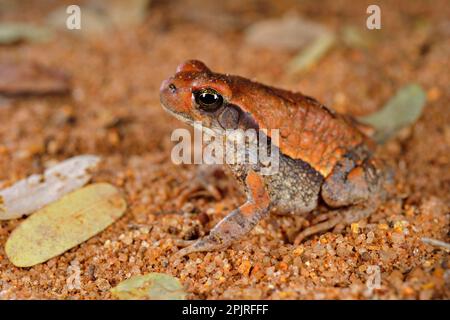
239	222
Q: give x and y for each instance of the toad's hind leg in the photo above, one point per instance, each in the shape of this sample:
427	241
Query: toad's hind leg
354	187
236	224
339	218
354	179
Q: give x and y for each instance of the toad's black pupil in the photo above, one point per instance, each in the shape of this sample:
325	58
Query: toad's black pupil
209	98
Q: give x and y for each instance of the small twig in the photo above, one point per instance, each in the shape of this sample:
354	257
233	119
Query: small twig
436	243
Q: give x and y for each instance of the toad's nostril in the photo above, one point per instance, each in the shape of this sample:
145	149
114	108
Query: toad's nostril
172	88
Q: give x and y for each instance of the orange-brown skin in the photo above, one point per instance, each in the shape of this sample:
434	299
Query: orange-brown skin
327	151
260	197
308	130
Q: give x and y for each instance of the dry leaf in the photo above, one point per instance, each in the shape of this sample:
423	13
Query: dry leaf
403	109
28	78
64	224
98	17
152	286
38	190
11	33
289	32
126	13
311	55
355	37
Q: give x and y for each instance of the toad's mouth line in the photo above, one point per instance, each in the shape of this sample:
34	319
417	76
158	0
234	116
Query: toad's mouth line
190	121
212	132
178	115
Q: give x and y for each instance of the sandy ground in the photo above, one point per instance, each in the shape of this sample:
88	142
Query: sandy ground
114	112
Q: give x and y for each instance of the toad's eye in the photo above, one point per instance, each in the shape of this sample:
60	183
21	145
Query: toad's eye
208	99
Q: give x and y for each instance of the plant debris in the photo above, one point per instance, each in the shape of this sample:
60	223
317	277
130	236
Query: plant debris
120	73
30	78
64	224
289	32
311	55
38	190
100	17
11	33
356	38
437	243
403	109
152	286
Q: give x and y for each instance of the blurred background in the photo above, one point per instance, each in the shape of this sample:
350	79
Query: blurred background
112	67
96	90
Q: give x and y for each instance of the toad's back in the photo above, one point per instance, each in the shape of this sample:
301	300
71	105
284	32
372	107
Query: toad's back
308	130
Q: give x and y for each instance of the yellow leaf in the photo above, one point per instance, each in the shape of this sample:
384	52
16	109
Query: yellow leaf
64	224
152	286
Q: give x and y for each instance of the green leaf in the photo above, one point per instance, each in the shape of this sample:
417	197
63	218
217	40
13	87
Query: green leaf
356	38
152	286
13	32
312	53
64	224
403	109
